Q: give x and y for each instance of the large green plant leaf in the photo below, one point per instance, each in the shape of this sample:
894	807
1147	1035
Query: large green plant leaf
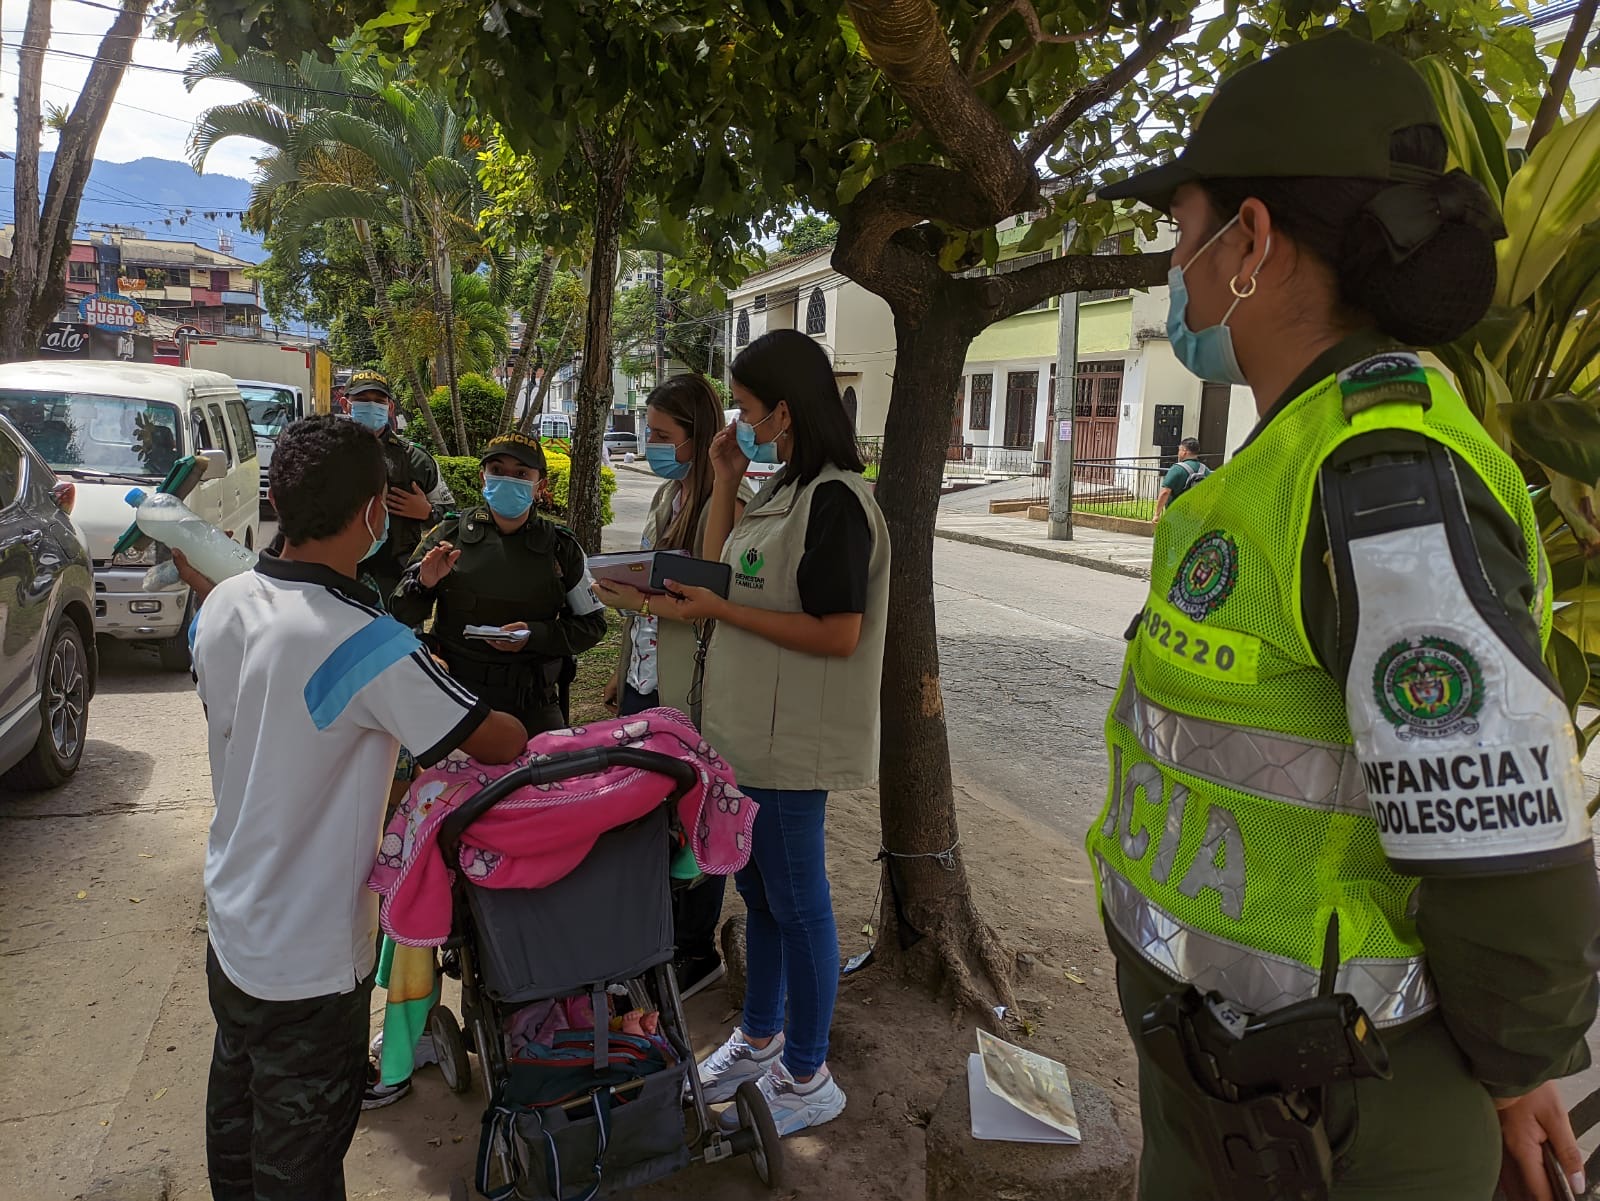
1547	204
1560	433
1477	140
1567	662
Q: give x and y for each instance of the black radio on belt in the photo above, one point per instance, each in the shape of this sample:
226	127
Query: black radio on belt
1261	1076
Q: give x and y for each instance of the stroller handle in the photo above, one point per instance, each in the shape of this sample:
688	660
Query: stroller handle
562	767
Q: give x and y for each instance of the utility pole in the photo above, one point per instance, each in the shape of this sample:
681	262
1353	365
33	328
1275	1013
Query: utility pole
1060	528
661	324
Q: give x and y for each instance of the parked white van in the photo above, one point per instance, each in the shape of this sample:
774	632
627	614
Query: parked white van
111	426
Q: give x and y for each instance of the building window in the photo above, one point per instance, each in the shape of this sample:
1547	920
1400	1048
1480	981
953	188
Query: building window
816	313
1115	244
761	302
978	403
81	273
851	406
741	333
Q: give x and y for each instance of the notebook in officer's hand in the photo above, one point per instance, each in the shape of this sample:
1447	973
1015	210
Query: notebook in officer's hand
1019	1097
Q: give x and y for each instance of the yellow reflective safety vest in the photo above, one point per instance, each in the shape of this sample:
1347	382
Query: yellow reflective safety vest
1237	825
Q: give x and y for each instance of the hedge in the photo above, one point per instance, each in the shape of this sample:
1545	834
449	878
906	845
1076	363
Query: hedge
464	476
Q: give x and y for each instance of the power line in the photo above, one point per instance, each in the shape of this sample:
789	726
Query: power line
184	72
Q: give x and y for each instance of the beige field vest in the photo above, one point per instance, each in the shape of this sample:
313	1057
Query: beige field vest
784	719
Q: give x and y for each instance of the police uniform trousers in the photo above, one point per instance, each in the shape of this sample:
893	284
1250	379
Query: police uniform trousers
1427	1134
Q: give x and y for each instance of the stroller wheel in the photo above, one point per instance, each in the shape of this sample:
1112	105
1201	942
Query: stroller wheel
767	1152
454	1065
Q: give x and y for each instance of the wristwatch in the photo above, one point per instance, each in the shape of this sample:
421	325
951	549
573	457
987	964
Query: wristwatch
644	608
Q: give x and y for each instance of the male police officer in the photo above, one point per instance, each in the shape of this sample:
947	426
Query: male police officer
417	495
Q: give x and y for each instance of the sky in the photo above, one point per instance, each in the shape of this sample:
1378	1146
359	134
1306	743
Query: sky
153	111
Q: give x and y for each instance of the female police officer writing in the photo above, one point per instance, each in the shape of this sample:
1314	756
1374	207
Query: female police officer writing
502	565
1339	766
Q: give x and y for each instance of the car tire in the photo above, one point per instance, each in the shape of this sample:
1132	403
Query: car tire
64	702
174	652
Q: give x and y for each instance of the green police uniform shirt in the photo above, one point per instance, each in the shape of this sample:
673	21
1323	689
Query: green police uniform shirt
406	464
535	574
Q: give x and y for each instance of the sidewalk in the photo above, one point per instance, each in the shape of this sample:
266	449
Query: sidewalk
1122	554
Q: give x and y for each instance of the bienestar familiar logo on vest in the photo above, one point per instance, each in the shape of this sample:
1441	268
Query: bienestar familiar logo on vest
749	573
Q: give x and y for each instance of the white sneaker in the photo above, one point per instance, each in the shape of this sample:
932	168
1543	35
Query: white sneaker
794	1106
426	1053
734	1062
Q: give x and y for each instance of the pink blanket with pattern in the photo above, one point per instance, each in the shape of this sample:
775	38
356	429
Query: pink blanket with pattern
538	834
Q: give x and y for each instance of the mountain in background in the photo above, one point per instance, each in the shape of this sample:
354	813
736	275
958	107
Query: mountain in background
161	198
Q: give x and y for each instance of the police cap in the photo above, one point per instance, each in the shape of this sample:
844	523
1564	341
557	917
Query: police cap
1326	109
520	447
368	381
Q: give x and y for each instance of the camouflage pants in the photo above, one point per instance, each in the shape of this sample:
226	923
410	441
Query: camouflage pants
285	1091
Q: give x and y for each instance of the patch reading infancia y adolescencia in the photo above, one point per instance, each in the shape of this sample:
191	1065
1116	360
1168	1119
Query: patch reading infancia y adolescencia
1206	576
748	574
1432	688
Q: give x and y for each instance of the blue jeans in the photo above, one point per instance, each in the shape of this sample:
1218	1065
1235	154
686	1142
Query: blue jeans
792	944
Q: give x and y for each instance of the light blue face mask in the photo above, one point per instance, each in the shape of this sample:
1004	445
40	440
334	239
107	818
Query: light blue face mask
756	452
1207	353
377	539
663	460
508	496
374	414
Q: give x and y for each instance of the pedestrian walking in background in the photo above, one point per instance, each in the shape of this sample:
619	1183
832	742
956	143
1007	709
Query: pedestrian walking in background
1182	475
1341	773
660	663
791	700
308	689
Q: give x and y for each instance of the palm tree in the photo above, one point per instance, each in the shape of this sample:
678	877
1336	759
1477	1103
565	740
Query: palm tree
348	142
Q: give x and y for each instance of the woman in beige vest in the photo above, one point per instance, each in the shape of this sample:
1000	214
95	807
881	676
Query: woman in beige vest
657	666
791	700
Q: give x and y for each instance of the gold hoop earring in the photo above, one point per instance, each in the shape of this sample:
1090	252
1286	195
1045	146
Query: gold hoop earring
1242	293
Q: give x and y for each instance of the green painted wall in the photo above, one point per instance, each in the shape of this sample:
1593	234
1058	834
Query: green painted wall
1102	326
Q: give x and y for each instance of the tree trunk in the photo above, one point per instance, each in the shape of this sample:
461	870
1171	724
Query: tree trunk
380	292
444	306
532	319
536	406
930	927
594	381
16	300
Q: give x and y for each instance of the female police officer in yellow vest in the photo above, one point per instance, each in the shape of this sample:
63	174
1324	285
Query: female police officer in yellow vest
501	564
791	699
1341	773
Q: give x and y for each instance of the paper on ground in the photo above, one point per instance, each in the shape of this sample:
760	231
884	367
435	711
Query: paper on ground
1034	1090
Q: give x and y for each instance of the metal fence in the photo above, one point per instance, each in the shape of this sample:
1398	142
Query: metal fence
1117	487
967	461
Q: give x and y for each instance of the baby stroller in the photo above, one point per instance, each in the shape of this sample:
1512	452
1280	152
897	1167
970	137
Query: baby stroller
605	1115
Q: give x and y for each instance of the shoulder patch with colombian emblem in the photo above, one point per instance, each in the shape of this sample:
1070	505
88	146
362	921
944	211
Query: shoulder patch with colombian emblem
1206	576
1392	375
1428	688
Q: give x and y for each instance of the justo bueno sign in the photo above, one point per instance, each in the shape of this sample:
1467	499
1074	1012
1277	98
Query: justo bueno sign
106	311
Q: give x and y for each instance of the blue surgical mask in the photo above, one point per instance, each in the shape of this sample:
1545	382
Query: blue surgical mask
756	452
663	460
374	414
380	537
508	496
1207	353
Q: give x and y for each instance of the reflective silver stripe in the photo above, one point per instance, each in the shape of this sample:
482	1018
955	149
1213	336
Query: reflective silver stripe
1390	990
1281	767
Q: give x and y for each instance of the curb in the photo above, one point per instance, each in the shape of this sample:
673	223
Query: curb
1077	558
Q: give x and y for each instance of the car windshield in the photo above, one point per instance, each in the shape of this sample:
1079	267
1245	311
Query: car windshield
271	409
78	433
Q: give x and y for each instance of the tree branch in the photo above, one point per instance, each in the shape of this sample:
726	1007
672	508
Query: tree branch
867	250
1085	98
906	40
1017	291
1561	73
1030	18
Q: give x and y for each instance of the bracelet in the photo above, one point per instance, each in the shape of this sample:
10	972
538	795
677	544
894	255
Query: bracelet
644	608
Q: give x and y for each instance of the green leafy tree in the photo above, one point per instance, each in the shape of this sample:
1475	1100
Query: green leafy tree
481	402
810	233
692	325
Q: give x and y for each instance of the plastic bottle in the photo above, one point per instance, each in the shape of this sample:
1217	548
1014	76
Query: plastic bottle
172	523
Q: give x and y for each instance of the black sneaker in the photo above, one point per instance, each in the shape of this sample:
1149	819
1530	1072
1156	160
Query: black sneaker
697	973
379	1094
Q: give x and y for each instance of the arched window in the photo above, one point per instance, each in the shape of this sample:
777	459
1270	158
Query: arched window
816	313
741	334
850	406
